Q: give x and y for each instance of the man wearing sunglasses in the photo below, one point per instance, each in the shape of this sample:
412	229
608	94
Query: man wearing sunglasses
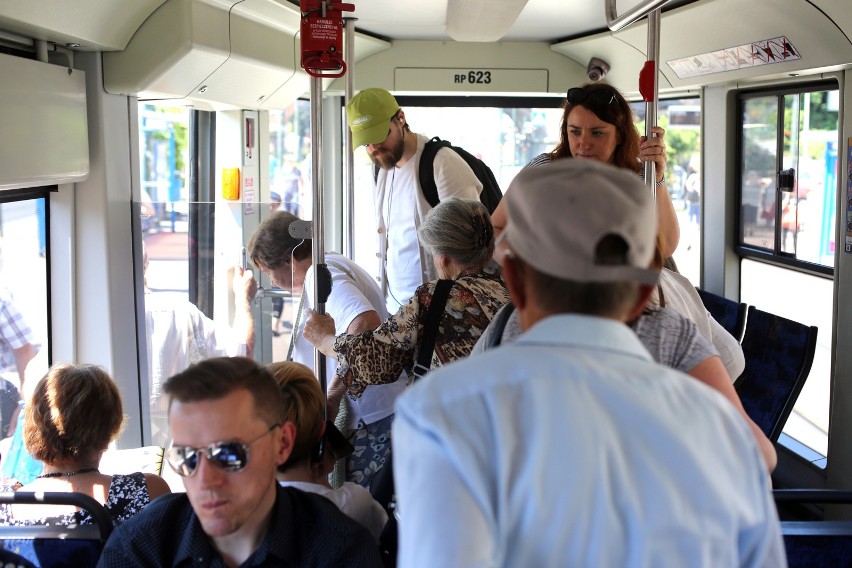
378	123
226	418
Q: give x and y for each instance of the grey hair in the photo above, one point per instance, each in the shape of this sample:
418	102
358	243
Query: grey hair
461	229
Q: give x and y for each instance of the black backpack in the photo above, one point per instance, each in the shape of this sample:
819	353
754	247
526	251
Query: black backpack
490	195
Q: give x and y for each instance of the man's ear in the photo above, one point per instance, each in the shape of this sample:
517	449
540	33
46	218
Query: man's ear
286	439
513	275
642	298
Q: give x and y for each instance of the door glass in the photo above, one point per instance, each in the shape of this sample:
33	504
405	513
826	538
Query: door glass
759	142
794	222
682	120
505	138
24	315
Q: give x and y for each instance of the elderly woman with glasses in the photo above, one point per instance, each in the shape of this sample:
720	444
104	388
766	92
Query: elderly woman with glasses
597	124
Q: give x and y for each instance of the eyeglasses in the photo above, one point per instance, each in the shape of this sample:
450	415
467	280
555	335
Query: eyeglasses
230	456
577	95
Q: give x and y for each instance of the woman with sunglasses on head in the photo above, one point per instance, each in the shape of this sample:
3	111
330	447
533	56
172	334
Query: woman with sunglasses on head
597	124
72	416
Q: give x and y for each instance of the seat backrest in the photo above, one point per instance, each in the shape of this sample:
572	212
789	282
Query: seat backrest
728	313
47	546
778	354
147	459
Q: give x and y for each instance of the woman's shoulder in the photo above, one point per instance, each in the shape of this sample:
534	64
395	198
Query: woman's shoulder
134	482
156	485
488	278
539	160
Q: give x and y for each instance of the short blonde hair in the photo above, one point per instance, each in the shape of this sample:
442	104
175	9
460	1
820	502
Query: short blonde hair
74	413
304	406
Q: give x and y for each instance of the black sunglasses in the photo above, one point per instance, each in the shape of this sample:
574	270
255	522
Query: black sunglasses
577	95
230	456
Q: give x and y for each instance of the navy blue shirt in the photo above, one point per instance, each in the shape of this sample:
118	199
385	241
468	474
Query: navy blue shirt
306	530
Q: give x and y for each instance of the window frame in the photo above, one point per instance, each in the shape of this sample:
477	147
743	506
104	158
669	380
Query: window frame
745	251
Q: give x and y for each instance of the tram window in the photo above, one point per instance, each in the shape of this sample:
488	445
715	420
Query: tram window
789	131
781	130
682	120
164	210
290	158
24	296
505	135
290	164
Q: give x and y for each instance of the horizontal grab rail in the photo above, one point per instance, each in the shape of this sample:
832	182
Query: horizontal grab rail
616	22
272	293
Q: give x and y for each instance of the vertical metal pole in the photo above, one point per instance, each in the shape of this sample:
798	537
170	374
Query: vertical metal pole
318	242
348	150
651	106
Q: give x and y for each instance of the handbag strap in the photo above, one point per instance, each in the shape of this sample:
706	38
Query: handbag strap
430	326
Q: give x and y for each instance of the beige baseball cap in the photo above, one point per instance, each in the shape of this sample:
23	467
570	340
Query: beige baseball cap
369	114
558	214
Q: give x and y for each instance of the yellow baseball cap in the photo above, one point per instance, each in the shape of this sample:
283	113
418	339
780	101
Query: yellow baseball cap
369	114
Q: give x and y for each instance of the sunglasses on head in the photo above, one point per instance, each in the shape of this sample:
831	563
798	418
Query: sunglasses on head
230	456
577	95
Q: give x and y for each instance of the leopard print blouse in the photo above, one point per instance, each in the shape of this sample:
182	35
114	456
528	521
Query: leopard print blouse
379	356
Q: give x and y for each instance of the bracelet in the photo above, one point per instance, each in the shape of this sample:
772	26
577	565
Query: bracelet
661	182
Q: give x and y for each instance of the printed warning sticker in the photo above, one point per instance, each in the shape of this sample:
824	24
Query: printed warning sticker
764	52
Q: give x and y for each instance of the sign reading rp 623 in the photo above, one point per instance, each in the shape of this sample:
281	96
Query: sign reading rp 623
465	80
473	77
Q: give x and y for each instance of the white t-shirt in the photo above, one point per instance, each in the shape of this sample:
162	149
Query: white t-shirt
353	292
400	208
681	295
352	499
179	335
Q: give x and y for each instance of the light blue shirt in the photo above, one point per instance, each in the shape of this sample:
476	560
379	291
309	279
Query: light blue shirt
571	447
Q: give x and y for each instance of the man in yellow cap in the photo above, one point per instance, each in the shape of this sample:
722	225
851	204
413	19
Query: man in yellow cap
378	123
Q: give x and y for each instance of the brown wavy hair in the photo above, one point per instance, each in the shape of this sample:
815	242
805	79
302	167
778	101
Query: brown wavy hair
618	114
73	414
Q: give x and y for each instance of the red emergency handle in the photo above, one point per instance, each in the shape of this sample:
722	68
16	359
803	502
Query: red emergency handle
647	76
322	37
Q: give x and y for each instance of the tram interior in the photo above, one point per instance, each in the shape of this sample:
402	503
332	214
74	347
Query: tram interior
115	79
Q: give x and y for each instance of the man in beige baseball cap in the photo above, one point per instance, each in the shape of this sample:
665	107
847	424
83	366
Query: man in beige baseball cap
571	446
379	124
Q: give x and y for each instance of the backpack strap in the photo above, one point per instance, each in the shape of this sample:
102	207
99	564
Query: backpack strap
426	170
430	326
498	325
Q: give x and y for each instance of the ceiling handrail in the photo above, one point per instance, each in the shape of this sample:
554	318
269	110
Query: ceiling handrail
616	22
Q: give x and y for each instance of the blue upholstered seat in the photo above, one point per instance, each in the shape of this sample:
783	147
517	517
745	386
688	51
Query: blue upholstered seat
731	315
49	546
778	355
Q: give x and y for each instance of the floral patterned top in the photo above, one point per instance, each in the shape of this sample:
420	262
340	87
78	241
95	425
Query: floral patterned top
128	495
379	356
